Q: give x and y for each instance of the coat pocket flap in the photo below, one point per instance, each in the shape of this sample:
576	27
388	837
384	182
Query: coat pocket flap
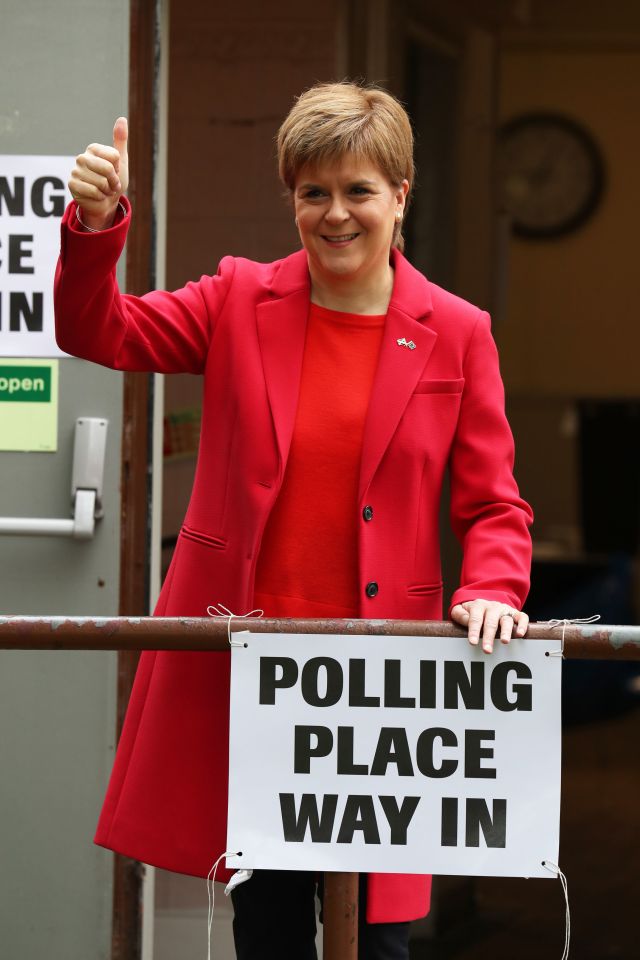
204	538
440	386
424	589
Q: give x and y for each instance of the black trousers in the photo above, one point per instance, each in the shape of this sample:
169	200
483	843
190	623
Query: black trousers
275	919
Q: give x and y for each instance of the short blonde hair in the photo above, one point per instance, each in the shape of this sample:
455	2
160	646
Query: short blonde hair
331	120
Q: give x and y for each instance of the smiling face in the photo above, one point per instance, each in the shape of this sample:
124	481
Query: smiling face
346	214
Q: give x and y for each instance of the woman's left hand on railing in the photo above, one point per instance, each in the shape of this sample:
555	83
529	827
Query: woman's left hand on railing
486	619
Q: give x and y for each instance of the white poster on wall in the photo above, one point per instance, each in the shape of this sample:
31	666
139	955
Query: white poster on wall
33	197
394	755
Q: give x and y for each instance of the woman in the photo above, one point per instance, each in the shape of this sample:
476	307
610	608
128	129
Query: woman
339	384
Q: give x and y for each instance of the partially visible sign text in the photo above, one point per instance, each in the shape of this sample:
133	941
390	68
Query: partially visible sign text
33	197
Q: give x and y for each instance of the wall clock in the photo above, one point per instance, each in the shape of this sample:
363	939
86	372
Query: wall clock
551	174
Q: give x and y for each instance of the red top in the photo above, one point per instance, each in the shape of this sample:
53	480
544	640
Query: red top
308	562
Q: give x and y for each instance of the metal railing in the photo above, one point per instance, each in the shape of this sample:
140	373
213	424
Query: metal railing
581	641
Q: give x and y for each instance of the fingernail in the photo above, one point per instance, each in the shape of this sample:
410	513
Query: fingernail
487	647
118	186
473	640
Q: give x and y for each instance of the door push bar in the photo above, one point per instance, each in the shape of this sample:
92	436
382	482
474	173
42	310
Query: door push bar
87	475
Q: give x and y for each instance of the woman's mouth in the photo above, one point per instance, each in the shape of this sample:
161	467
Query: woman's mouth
342	241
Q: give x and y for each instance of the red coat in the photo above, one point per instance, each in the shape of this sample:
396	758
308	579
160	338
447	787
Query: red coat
440	404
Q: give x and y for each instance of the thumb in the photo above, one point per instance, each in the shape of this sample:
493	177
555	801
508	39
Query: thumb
460	614
120	137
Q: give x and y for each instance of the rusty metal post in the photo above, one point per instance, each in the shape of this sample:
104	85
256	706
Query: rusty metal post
340	913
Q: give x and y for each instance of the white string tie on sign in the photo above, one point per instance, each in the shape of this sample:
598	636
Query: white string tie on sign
555	869
211	879
220	612
566	621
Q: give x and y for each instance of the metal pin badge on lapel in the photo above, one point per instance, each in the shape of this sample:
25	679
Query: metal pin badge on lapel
402	342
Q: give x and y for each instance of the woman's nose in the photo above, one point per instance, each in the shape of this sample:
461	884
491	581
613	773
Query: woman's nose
337	211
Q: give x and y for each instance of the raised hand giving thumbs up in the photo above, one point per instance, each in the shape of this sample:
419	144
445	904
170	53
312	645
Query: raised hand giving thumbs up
100	177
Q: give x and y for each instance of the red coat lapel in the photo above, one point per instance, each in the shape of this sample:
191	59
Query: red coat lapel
282	326
399	366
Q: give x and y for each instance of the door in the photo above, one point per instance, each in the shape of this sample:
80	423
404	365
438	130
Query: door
64	80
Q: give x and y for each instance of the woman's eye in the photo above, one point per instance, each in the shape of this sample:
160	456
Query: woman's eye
359	191
313	194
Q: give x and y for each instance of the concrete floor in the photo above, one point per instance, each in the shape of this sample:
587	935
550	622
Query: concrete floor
599	853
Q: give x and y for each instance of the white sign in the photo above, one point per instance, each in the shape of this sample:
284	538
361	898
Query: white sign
394	755
33	197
